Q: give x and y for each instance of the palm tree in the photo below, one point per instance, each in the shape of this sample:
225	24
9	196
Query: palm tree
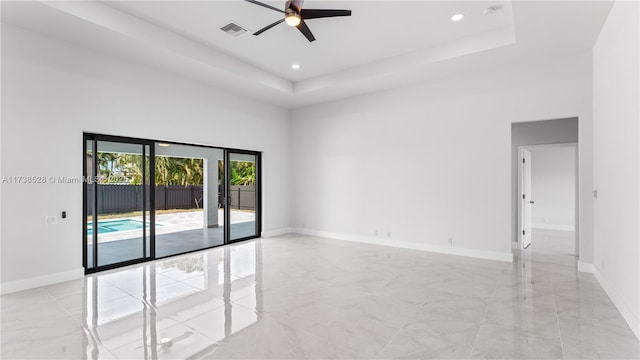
243	173
131	165
162	170
168	170
106	165
179	171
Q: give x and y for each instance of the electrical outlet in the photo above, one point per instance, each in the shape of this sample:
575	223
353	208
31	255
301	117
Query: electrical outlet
450	240
388	234
375	232
50	220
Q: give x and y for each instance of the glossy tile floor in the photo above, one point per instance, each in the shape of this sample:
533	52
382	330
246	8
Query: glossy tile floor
303	297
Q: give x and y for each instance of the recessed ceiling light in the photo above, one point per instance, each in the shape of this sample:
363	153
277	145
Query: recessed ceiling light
295	66
163	144
457	17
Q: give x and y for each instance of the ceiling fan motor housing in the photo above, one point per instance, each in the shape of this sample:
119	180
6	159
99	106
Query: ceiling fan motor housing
295	16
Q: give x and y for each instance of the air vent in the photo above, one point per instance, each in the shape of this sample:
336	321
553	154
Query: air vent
233	29
492	9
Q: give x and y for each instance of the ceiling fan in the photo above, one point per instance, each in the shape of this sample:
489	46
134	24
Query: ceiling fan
295	15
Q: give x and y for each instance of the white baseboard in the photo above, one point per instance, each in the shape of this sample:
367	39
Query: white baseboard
557	227
276	232
622	306
449	250
586	267
34	282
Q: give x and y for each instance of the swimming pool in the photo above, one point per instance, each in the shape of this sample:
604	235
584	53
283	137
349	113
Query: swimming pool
111	226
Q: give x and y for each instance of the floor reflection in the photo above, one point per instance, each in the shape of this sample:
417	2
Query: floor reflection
162	294
306	297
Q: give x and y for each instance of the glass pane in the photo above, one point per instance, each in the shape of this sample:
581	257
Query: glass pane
243	195
188	213
120	202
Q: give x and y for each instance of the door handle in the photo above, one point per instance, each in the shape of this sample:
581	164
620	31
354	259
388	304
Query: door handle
531	202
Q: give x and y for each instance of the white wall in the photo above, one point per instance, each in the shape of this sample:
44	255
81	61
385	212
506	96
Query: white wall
553	187
617	156
52	92
431	162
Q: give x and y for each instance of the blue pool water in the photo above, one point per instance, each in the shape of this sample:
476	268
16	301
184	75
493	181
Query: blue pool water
109	226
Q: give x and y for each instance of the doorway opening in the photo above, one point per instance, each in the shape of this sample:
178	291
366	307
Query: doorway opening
545	202
188	212
547	189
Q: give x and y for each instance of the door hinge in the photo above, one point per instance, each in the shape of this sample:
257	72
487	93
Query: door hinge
523	197
523	161
523	232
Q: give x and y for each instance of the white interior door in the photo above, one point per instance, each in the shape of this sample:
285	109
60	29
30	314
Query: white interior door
525	198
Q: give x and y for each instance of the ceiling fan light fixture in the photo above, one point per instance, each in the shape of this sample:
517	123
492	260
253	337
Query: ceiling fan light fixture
296	16
292	19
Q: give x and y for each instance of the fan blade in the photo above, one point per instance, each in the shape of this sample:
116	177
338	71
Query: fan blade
304	29
295	5
322	13
268	27
265	5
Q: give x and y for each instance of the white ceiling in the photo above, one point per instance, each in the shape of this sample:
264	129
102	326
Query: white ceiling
382	45
369	35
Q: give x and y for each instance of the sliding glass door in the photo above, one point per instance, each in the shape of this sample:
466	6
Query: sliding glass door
243	190
188	212
118	224
146	199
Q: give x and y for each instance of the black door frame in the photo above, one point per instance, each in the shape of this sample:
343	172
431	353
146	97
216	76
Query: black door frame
227	197
151	211
150	189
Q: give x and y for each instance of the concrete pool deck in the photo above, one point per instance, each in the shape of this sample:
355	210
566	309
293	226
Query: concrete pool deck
176	222
178	233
